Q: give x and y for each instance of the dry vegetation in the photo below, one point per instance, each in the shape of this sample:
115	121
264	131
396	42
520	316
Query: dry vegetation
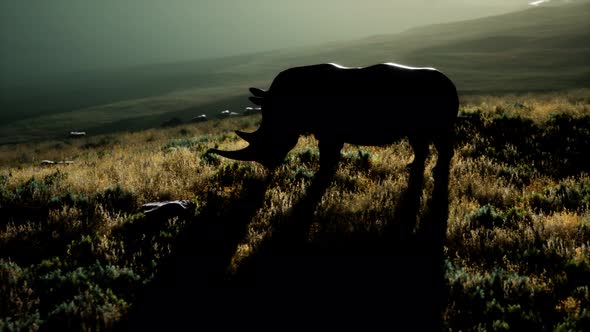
75	248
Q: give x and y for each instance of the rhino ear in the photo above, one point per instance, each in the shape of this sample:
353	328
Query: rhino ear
258	92
257	100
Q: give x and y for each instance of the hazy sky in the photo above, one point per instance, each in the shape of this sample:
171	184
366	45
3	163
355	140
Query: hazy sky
44	36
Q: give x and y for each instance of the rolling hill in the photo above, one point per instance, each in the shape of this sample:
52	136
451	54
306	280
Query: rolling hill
538	49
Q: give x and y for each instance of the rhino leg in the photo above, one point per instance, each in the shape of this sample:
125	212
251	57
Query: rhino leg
445	147
329	156
420	147
434	231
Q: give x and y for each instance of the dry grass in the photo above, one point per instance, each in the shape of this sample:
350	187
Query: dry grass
522	224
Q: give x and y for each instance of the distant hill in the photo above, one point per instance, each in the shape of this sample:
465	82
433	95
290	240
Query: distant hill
542	48
538	49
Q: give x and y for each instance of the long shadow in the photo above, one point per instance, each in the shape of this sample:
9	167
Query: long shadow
192	290
393	279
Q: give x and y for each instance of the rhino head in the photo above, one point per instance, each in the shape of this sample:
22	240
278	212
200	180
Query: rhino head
268	145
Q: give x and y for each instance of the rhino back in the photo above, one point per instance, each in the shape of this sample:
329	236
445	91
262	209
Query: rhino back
354	103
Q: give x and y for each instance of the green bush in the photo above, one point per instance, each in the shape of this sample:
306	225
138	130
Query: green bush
361	160
18	300
567	195
487	217
92	297
308	156
185	142
117	199
210	159
229	174
496	301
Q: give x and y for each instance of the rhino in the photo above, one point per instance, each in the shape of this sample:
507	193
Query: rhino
375	106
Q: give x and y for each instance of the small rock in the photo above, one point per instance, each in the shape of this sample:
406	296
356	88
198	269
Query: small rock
169	208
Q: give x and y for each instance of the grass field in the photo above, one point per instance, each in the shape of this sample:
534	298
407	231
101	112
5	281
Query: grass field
77	252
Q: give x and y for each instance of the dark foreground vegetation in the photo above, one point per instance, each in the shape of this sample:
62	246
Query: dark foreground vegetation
288	251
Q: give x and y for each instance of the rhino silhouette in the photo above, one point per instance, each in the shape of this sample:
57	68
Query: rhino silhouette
375	105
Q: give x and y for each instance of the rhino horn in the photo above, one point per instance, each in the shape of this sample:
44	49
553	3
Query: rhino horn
248	137
258	92
257	100
248	153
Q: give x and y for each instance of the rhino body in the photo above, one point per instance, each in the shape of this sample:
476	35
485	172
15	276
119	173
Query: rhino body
374	105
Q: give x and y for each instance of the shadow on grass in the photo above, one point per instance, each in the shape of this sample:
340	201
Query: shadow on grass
371	281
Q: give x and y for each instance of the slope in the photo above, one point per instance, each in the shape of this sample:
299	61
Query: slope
541	48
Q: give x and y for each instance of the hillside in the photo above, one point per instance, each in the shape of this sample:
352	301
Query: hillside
78	251
541	48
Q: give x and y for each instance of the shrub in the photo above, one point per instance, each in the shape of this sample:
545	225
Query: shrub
186	142
210	159
567	195
117	199
303	173
92	297
361	160
229	174
496	301
488	217
6	195
18	301
308	156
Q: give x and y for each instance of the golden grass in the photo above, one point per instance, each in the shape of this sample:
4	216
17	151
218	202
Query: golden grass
140	163
534	106
169	164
